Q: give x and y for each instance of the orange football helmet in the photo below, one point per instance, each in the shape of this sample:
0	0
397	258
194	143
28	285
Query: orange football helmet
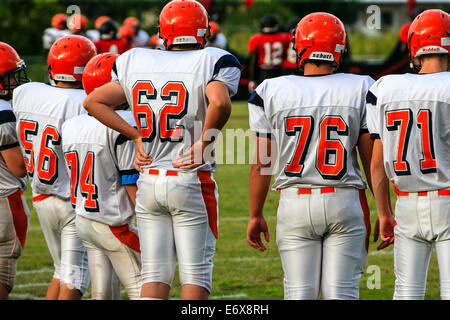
319	36
68	56
131	21
429	33
183	22
214	28
100	20
127	31
12	71
59	21
77	23
98	71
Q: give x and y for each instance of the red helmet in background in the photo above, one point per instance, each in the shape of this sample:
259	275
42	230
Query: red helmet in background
98	71
183	22
319	36
100	20
12	71
131	21
68	56
214	28
127	31
77	23
59	21
404	32
429	33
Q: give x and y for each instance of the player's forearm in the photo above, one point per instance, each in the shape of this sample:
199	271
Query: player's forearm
218	112
106	115
380	189
14	161
258	187
365	148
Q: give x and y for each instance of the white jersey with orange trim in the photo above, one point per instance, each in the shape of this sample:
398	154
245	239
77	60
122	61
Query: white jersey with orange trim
166	90
410	114
316	122
41	110
100	161
9	183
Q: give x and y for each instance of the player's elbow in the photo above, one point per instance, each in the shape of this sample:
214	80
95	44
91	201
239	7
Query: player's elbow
87	103
222	105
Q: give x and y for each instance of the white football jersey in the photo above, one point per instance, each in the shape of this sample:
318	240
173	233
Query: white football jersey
98	160
166	90
141	39
316	122
51	35
9	183
410	113
40	111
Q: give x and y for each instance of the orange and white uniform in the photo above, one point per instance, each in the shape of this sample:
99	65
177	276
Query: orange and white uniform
14	213
177	210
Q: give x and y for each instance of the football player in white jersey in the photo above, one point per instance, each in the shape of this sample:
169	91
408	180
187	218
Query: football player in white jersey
14	213
40	110
409	119
103	190
179	97
58	30
318	124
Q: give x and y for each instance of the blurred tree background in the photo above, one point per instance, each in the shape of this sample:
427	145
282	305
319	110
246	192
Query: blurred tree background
22	22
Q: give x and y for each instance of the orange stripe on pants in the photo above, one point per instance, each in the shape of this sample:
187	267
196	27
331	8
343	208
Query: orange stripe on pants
19	216
366	211
209	197
127	237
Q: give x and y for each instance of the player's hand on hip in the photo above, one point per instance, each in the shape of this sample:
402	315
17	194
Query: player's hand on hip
256	226
141	158
387	224
192	158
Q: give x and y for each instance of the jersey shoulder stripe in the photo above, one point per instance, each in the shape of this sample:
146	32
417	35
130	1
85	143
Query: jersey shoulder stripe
256	100
226	61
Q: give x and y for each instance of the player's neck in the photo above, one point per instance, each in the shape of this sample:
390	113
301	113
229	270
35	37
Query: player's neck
69	85
311	69
434	65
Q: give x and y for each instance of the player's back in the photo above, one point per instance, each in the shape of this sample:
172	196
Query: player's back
271	49
95	156
410	114
167	91
9	183
40	110
316	122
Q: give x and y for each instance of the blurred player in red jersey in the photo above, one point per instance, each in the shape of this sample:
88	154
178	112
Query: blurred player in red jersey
109	42
14	213
268	50
127	33
290	63
408	117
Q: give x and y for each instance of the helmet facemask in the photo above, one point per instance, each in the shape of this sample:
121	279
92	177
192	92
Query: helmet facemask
12	79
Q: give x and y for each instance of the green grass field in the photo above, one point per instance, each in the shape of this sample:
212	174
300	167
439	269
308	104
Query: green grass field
240	272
